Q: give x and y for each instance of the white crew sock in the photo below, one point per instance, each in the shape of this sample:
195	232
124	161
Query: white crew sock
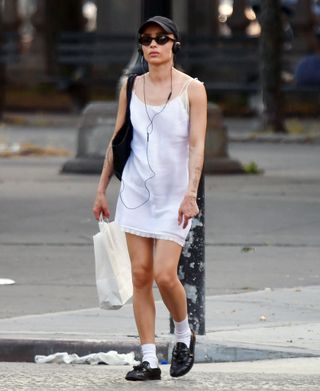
149	354
182	331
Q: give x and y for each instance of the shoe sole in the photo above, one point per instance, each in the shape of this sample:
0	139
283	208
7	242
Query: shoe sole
150	378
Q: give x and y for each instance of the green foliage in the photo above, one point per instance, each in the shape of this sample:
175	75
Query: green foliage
247	249
252	168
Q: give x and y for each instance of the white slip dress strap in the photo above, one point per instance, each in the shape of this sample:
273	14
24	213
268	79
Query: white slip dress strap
184	94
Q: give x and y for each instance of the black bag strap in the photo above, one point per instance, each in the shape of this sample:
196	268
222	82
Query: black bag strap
130	83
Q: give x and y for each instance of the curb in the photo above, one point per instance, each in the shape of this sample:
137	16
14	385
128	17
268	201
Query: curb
24	350
83	165
208	351
93	165
274	139
41	119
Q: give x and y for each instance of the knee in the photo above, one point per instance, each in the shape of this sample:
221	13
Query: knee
166	280
141	277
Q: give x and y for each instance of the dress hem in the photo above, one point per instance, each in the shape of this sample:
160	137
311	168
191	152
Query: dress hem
151	235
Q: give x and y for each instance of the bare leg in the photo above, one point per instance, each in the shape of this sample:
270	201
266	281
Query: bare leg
166	259
141	255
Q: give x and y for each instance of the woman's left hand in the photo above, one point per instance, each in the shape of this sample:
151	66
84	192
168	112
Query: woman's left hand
187	210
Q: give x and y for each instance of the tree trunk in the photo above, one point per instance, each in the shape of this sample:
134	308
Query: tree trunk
153	8
61	16
2	72
271	63
66	16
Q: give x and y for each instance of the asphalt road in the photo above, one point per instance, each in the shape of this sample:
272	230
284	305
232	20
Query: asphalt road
261	231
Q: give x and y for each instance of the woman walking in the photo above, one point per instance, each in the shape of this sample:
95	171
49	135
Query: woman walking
157	197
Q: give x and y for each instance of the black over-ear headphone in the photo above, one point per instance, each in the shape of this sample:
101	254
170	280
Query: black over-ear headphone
175	48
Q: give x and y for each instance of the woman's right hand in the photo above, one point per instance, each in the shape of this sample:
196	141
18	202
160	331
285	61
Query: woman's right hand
101	206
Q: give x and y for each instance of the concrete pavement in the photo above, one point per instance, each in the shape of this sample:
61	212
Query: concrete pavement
262	246
296	374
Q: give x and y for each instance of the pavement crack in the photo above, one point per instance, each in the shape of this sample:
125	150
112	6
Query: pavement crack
289	245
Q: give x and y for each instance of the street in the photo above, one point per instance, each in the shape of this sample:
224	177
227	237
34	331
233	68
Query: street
275	375
46	228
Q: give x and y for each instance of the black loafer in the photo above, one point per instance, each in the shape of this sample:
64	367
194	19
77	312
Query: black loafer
182	357
143	371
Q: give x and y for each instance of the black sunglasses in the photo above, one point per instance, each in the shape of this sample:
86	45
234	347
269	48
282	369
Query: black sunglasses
162	39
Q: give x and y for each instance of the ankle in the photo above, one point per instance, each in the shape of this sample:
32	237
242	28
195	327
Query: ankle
149	354
182	331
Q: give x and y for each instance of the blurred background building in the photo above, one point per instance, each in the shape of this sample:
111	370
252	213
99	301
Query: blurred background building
58	55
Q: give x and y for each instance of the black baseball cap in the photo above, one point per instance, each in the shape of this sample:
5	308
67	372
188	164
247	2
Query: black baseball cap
165	23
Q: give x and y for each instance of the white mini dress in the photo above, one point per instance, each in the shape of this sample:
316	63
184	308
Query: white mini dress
155	177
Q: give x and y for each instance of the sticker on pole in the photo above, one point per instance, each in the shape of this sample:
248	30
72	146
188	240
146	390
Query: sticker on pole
6	281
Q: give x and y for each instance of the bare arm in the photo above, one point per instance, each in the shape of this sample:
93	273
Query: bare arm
198	125
100	204
197	134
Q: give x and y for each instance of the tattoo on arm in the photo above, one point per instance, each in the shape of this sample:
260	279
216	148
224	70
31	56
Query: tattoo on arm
108	161
109	156
196	174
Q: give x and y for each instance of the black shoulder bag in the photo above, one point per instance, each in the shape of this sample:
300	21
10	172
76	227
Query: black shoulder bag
121	143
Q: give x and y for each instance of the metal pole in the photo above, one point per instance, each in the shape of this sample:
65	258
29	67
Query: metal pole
191	268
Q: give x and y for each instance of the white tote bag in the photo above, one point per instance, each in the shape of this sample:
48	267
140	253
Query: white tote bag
113	267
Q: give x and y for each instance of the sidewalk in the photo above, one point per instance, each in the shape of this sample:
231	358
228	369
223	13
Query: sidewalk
268	324
240	129
302	130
